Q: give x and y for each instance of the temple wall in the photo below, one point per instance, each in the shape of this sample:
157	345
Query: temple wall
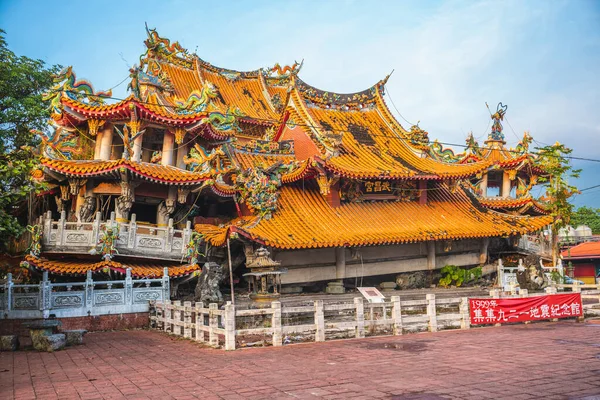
319	264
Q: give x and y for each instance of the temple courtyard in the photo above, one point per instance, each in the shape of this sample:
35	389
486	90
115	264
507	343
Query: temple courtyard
543	360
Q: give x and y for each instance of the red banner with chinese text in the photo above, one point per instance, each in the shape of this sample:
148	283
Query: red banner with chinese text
498	311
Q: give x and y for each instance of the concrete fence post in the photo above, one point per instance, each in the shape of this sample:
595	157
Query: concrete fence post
276	324
167	315
230	327
576	287
187	233
213	324
8	292
47	227
169	238
177	328
319	321
523	293
431	312
397	315
360	317
187	319
199	322
465	316
550	290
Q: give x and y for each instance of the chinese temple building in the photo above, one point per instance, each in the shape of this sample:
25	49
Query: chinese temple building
331	184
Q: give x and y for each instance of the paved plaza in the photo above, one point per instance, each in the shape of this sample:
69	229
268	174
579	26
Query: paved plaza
544	360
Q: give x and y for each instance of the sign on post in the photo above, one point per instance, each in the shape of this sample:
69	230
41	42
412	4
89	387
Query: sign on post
372	294
497	311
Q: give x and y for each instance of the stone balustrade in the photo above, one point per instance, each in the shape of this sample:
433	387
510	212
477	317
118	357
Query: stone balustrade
78	299
136	239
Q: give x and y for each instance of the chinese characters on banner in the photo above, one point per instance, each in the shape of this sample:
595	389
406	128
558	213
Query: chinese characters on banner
497	311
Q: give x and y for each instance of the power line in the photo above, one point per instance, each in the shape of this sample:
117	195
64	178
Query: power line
273	121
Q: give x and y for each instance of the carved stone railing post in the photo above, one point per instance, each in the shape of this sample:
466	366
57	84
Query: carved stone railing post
319	321
128	287
132	232
397	315
230	327
96	229
45	293
89	291
465	320
276	324
187	233
166	290
169	238
62	222
431	312
112	223
360	317
47	227
213	323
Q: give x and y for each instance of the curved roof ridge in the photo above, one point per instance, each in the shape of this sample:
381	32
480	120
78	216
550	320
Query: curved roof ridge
320	96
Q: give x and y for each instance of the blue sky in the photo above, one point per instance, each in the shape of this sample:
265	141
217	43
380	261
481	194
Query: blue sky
542	58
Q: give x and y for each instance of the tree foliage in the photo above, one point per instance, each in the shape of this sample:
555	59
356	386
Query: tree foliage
22	82
553	159
587	216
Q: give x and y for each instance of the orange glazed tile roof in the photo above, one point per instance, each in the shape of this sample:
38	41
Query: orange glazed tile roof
374	145
304	219
508	203
154	172
583	250
80	267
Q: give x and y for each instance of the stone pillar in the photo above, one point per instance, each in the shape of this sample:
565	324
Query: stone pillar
505	185
182	151
337	287
483	185
137	148
167	150
483	250
106	144
340	263
430	255
98	145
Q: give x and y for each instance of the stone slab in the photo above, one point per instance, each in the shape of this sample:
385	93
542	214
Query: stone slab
50	343
9	343
74	337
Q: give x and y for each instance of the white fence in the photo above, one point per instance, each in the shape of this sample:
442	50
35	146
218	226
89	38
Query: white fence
323	321
134	239
78	299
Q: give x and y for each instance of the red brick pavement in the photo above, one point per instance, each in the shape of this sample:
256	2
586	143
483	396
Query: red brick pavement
544	360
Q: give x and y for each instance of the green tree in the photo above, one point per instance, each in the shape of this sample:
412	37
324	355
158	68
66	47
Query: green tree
22	82
553	159
587	216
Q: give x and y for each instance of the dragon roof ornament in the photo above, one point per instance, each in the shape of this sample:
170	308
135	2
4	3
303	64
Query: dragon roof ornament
65	83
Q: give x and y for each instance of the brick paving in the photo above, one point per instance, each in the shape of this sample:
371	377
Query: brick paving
544	360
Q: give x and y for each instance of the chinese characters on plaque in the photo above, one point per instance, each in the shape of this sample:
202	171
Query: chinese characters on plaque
377	187
496	311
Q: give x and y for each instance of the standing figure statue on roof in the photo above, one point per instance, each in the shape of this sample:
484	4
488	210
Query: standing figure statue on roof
498	116
134	85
